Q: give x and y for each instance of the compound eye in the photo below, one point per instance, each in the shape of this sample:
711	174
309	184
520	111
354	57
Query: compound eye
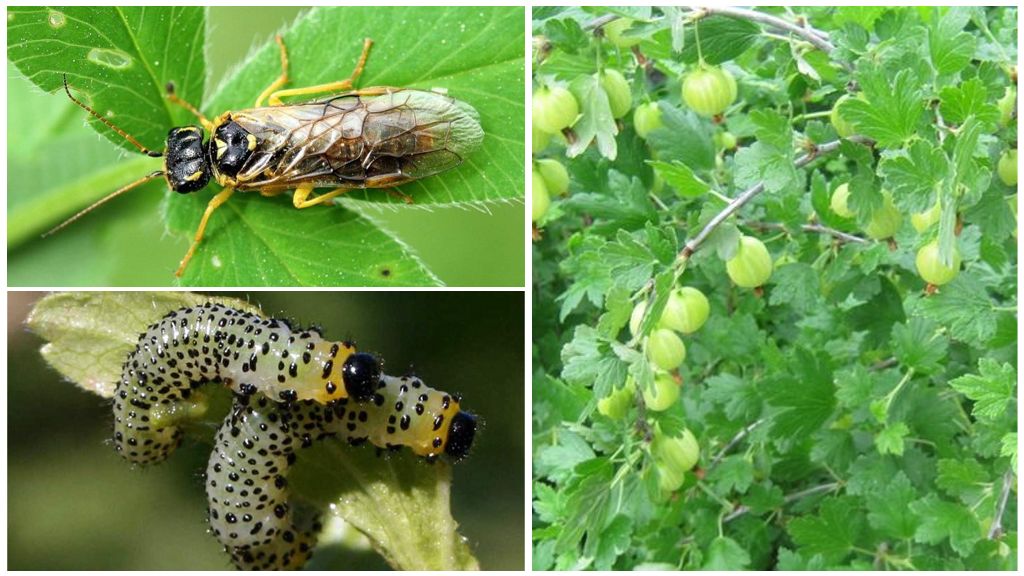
361	374
460	435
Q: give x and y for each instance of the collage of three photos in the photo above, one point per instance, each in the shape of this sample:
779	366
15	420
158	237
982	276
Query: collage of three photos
282	281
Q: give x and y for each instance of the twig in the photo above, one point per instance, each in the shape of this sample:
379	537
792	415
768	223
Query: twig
694	243
818	228
997	524
735	440
600	21
791	498
807	33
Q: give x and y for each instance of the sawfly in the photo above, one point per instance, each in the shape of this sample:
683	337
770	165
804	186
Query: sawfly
376	137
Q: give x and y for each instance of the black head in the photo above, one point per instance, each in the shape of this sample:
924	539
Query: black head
186	166
231	146
361	374
460	435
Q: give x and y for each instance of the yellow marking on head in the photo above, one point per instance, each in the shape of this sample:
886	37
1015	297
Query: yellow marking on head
221	147
194	176
251	141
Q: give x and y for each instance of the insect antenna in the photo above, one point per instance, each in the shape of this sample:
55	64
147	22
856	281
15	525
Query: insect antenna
103	201
125	135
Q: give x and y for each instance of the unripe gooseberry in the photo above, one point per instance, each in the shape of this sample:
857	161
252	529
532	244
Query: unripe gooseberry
554	108
614	30
1007	167
687	310
615	86
840	201
925	220
670	478
931	268
539	139
709	90
885	221
556	177
646	119
664	393
843	127
751	266
1006	106
681	452
541	200
665	349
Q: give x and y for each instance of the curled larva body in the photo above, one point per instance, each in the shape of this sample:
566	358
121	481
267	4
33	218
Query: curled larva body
247	353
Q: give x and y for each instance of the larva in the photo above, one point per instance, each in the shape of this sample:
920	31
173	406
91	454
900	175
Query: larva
291	387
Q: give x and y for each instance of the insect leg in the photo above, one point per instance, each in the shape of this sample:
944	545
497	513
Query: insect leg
299	199
281	80
215	203
339	86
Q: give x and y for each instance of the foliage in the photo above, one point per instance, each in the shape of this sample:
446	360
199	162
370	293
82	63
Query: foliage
399	503
848	414
120	59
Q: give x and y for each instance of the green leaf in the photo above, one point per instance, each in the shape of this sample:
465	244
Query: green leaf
683	137
888	508
721	39
940	520
596	122
588	361
833	533
914	175
890	439
796	284
725	554
958	103
964	308
118	61
991	389
918	345
733	473
964	478
892	109
805	393
679	176
949	47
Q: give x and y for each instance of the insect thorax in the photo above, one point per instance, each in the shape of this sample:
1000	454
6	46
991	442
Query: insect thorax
230	147
185	164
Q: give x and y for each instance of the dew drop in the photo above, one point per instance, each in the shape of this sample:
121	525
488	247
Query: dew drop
216	261
110	58
57	19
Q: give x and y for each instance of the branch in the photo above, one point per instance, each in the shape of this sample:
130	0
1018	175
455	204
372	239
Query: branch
735	440
750	193
817	228
791	498
997	524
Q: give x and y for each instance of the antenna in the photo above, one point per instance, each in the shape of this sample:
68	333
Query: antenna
111	125
103	201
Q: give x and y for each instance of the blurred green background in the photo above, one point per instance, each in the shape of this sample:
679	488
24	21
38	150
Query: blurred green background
73	504
50	143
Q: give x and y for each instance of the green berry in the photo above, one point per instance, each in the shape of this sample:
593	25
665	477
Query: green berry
614	30
931	268
925	220
615	86
844	128
687	310
554	108
541	199
665	349
840	201
681	452
646	119
709	90
540	139
752	264
556	177
664	394
1007	167
885	221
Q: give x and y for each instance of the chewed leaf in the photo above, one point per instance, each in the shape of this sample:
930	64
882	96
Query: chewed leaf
398	501
89	334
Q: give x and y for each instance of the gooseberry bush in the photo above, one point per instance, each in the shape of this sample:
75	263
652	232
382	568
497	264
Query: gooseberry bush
775	313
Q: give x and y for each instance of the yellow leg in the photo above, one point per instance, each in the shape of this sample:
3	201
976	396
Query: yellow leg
299	199
281	80
339	86
214	203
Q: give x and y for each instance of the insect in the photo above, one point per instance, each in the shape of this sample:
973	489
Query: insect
292	387
377	137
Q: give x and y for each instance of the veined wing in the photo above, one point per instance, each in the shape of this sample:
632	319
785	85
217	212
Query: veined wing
371	138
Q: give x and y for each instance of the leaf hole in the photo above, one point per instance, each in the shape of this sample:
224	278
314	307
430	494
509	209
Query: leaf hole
115	59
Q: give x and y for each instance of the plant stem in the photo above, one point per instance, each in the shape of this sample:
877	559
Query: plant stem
735	440
807	33
742	510
694	243
997	523
817	228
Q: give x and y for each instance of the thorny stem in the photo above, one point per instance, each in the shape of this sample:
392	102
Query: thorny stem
817	228
997	523
694	243
742	510
735	440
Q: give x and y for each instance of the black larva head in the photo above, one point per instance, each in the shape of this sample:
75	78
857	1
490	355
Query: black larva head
186	165
361	373
460	435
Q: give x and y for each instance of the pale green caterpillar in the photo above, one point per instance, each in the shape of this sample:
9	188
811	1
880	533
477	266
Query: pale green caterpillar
291	387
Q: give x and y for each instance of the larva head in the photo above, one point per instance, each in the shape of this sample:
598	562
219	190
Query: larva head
361	374
460	435
186	166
